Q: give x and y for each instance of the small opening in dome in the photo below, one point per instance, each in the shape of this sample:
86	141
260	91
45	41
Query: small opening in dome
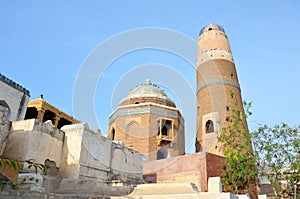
209	29
136	103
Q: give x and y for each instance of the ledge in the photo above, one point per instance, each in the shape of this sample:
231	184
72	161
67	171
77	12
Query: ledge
14	85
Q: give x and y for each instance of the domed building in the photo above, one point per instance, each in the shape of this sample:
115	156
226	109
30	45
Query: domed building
149	122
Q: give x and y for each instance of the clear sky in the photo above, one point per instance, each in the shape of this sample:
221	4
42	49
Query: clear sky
43	45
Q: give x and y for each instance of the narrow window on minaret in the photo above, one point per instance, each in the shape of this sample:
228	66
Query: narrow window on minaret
209	126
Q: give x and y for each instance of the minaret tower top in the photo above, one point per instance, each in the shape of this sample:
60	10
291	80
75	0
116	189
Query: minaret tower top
210	27
212	37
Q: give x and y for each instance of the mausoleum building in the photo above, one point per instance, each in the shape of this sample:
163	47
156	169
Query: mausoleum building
148	121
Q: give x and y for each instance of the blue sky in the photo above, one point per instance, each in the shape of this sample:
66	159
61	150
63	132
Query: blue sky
43	44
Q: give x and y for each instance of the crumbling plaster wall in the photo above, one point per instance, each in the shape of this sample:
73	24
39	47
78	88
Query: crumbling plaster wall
78	151
88	154
31	139
15	99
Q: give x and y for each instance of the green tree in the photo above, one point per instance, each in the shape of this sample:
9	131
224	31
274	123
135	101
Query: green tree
278	157
240	173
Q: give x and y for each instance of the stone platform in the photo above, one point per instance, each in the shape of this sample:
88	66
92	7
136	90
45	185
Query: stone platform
173	191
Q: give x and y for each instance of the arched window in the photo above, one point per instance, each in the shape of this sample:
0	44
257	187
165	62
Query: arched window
209	126
164	127
134	130
5	105
113	134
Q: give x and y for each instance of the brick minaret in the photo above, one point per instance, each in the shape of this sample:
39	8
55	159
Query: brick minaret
216	78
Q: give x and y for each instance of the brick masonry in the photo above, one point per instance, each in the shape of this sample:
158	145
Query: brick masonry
216	79
135	122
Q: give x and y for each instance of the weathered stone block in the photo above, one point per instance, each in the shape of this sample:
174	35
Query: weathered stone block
32	180
214	185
